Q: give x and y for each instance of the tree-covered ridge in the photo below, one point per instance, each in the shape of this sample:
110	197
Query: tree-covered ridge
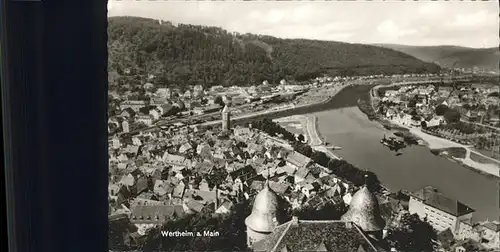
191	54
452	56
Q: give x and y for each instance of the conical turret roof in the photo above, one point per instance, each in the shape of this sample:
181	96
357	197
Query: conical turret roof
265	206
364	211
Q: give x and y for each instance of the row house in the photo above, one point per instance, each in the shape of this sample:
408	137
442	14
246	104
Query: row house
133	104
155	214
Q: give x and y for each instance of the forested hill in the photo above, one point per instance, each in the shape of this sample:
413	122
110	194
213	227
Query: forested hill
212	56
453	56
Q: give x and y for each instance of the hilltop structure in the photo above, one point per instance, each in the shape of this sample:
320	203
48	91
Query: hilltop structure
360	229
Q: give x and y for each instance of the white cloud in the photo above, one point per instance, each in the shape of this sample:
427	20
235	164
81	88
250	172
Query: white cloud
301	13
274	16
477	20
255	15
390	31
431	9
388	28
339	26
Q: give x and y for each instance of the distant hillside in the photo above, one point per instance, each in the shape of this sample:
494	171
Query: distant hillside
212	56
446	56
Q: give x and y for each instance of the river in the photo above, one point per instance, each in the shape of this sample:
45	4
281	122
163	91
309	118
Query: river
341	122
414	169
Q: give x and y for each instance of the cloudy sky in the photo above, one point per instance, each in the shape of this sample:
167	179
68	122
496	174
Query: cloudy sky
471	24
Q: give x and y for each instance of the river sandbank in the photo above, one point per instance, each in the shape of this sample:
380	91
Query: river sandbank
310	128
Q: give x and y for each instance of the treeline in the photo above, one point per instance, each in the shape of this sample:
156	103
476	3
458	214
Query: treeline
341	168
367	109
327	211
189	54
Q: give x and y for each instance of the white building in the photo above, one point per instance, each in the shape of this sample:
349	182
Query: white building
116	142
435	121
125	127
390	93
133	104
440	211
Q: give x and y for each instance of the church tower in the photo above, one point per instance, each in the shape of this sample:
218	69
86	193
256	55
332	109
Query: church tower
226	119
263	220
364	211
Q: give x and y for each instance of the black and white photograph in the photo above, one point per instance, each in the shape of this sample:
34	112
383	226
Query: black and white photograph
290	126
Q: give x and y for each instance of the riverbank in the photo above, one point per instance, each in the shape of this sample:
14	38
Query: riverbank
437	143
413	169
277	113
310	130
308	126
